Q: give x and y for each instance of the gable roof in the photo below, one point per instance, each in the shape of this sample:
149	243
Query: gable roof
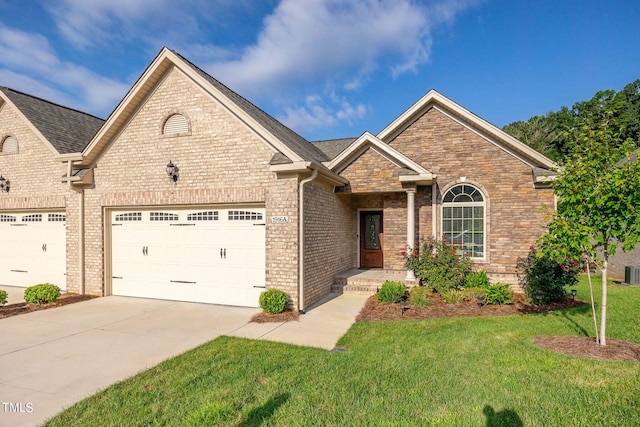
65	129
291	146
493	134
410	170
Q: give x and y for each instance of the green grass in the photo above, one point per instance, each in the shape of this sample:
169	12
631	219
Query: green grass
440	372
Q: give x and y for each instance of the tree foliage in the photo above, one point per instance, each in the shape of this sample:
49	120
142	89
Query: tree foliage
551	134
598	192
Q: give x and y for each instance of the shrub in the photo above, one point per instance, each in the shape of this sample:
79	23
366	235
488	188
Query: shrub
437	265
42	293
478	279
274	301
499	293
420	296
454	296
3	297
474	293
540	274
391	292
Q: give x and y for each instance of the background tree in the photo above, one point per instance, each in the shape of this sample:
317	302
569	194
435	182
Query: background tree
550	134
598	194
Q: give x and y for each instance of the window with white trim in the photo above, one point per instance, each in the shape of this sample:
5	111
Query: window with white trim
57	217
175	125
162	216
463	220
32	218
244	216
129	216
9	145
203	216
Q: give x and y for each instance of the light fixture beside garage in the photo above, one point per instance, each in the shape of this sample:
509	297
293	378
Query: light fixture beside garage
4	184
172	171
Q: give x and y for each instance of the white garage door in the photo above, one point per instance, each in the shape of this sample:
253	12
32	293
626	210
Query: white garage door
206	255
33	249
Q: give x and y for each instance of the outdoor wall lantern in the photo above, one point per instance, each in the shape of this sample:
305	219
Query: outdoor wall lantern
573	294
4	184
172	171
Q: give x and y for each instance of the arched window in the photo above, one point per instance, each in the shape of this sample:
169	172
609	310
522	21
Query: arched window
9	145
175	125
463	219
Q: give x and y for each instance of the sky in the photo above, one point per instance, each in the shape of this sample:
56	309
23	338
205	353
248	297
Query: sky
330	68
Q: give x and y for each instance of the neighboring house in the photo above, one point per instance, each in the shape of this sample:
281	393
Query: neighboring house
35	244
190	192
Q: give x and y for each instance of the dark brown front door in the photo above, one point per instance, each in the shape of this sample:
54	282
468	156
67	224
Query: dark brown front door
371	239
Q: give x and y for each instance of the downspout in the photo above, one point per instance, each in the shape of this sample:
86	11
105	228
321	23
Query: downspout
80	229
313	176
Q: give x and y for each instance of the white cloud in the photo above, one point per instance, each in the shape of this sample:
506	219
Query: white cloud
38	66
317	113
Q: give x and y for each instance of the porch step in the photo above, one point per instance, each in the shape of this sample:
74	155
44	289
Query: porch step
364	282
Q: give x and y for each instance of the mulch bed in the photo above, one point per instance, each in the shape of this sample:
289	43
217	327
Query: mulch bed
25	307
579	346
285	316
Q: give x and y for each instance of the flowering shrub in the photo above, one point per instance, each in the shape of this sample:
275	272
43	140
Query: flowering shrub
437	265
539	274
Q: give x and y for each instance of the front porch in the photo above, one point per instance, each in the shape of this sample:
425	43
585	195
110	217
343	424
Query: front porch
366	281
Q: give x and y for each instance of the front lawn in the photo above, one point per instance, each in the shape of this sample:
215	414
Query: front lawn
443	372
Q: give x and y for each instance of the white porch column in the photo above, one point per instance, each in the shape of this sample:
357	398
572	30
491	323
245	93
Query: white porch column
411	226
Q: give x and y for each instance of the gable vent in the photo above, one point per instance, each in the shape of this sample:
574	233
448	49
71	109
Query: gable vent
9	145
176	125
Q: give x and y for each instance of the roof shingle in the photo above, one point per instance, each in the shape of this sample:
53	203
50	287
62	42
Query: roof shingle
68	130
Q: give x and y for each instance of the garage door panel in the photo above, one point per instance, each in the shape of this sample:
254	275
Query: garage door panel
209	255
33	249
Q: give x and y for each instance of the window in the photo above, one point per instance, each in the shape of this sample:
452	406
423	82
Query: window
162	216
463	220
176	125
57	218
203	216
9	145
129	216
244	216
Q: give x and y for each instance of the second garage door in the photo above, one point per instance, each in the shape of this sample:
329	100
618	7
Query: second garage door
33	249
206	255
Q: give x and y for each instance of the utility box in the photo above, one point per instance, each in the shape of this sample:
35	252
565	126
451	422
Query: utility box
632	275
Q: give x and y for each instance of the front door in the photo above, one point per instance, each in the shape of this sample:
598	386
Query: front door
371	239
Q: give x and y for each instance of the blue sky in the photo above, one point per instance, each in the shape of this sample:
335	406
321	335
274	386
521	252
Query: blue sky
330	68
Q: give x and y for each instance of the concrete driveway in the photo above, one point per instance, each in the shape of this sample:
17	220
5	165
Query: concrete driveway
53	358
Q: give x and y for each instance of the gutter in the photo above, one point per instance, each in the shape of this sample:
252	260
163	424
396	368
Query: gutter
313	176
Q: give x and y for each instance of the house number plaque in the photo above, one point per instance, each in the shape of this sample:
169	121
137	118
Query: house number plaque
279	219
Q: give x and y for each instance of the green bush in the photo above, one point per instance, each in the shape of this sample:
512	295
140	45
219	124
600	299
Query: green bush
42	293
499	293
274	301
3	297
454	296
437	265
478	279
420	296
540	274
391	292
474	293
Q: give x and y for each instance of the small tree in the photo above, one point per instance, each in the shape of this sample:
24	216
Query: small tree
598	201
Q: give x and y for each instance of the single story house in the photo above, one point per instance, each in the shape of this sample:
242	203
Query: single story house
190	192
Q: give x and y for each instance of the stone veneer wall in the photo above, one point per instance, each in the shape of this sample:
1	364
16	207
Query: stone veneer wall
514	207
